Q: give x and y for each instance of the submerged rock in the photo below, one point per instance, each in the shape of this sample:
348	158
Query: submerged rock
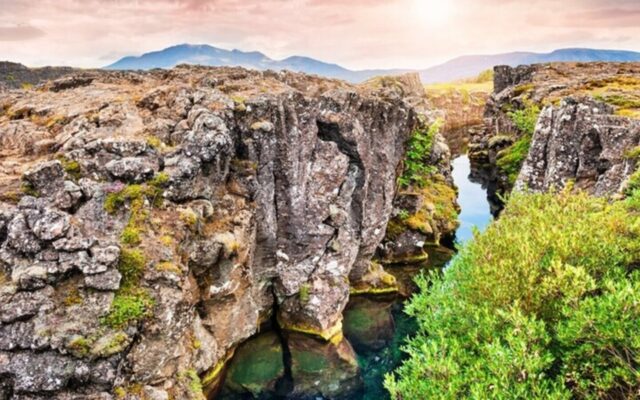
368	324
323	369
257	366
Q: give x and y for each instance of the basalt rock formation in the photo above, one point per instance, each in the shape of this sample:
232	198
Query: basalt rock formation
499	151
580	141
15	75
151	222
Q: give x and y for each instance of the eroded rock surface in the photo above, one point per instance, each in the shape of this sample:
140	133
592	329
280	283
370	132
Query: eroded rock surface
572	140
149	222
580	141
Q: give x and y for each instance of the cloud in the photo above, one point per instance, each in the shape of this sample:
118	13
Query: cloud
19	33
354	33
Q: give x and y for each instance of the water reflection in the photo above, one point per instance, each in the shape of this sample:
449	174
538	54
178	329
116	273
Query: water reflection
476	211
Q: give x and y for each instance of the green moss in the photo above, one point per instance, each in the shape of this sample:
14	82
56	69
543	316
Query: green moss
633	153
154	142
633	184
71	167
131	266
131	193
130	235
160	180
525	119
192	380
79	346
303	294
518	90
28	189
72	298
131	303
116	344
128	308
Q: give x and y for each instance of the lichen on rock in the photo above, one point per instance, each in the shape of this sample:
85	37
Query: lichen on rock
164	223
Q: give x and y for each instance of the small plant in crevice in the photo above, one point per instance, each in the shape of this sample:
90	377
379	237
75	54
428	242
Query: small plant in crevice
416	163
526	119
510	160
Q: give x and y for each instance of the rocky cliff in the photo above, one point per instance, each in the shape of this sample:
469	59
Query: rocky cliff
608	103
582	142
151	222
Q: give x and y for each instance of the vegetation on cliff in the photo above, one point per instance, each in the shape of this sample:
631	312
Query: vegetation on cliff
437	211
510	160
545	304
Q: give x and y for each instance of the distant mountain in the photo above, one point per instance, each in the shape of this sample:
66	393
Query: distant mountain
458	68
212	56
468	66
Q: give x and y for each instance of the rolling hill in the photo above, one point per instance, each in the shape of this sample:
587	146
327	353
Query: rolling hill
458	68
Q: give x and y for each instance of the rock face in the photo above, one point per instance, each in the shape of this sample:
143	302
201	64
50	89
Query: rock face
149	222
498	152
583	142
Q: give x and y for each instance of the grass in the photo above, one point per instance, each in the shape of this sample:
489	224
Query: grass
543	305
483	83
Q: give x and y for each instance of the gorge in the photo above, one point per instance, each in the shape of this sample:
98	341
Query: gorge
225	233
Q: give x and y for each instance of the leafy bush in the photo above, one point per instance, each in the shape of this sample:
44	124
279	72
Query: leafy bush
510	160
543	305
525	119
416	163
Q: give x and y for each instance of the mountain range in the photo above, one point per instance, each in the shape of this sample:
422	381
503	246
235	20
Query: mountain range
458	68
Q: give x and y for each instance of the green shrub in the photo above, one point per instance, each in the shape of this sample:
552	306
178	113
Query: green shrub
510	160
525	119
416	163
540	306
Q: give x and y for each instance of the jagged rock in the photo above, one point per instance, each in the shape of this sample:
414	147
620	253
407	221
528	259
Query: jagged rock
583	142
20	237
132	169
540	85
25	304
51	225
47	178
109	280
270	193
105	255
70	83
42	372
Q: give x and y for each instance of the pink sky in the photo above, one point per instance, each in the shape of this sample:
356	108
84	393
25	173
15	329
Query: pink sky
354	33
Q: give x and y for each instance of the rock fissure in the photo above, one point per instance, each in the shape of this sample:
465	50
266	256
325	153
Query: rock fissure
168	217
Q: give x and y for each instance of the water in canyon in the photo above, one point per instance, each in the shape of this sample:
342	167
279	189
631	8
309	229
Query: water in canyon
475	209
375	327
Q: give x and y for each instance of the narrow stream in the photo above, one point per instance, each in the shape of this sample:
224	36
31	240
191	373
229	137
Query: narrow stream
376	327
472	198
